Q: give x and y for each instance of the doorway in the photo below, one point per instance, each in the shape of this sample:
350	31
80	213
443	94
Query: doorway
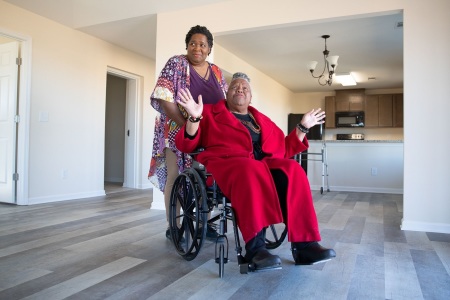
15	119
121	130
115	127
9	80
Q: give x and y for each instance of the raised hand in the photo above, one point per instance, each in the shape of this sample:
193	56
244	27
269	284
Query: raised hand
312	118
193	108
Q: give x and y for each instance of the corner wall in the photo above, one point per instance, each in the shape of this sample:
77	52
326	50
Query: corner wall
68	82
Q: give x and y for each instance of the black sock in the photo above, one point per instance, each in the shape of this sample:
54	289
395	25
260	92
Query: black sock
255	244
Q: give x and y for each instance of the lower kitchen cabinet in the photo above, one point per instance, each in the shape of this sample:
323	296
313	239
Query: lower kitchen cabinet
359	166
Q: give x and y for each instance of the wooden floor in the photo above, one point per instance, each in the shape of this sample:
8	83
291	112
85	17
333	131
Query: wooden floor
114	247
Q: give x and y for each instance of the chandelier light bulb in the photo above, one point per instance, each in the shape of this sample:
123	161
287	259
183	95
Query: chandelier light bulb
332	60
312	65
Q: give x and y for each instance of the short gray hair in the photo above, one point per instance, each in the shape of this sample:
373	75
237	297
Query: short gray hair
240	75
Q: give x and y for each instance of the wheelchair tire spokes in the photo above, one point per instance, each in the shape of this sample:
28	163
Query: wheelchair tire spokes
275	235
187	214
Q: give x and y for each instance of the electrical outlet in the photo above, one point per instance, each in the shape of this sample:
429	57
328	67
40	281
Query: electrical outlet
374	171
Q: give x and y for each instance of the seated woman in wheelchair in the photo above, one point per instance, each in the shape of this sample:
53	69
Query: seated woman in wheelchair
249	157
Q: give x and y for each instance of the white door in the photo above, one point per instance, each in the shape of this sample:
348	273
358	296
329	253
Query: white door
8	107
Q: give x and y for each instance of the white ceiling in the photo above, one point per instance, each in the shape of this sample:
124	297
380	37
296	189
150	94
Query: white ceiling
368	46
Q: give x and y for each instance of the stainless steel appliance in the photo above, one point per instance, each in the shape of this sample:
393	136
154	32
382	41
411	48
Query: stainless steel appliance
349	136
349	119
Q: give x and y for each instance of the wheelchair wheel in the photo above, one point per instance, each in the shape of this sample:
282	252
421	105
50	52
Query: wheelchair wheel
221	260
275	235
188	213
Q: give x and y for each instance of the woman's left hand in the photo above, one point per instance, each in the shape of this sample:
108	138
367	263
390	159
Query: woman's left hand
312	118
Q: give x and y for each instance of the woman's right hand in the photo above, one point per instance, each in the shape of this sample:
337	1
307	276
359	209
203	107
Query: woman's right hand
193	108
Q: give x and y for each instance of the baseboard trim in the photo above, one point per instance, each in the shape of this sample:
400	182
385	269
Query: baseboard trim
359	189
66	197
425	226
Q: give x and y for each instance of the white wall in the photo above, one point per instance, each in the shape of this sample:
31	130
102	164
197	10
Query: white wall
68	81
426	199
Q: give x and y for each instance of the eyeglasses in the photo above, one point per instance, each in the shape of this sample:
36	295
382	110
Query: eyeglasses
201	45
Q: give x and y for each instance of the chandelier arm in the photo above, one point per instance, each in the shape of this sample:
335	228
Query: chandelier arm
326	82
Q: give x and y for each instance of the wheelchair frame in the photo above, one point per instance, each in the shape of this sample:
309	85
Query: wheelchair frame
190	203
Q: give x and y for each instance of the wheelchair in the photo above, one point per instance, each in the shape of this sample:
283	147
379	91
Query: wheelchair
191	202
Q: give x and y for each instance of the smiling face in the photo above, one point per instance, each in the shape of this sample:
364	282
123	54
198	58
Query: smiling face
239	96
198	49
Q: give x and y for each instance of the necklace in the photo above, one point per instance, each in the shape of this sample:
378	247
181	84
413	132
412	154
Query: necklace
252	125
206	74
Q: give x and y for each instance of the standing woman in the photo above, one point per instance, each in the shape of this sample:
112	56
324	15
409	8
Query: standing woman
193	72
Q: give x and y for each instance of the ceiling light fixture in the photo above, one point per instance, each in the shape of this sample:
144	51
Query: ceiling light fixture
345	79
330	65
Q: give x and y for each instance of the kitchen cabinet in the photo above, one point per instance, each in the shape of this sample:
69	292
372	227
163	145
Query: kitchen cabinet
397	110
384	110
350	100
371	111
330	110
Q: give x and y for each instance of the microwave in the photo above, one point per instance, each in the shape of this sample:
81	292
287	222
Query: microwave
350	119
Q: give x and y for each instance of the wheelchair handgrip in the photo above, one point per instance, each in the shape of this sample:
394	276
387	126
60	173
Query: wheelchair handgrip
197	151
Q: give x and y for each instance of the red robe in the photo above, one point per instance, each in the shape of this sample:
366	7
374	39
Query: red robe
248	182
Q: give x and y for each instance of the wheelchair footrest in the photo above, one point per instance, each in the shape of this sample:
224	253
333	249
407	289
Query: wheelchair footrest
253	268
245	267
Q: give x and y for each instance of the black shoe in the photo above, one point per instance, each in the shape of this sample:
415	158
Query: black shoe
311	253
211	233
169	236
263	260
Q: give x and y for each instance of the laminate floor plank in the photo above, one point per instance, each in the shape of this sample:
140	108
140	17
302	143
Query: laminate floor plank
81	282
9	280
433	278
401	280
114	247
64	236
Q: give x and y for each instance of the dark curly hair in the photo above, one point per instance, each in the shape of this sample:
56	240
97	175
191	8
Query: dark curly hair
199	29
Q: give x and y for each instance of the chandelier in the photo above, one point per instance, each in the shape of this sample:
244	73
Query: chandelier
330	64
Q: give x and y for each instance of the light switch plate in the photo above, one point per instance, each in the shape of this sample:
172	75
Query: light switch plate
43	116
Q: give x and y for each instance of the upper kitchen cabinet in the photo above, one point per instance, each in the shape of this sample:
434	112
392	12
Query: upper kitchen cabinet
371	111
397	110
330	110
350	100
384	110
385	113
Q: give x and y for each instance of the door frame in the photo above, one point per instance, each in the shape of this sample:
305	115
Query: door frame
132	119
23	131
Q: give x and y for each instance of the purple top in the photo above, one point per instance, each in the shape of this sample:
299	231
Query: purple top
209	89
